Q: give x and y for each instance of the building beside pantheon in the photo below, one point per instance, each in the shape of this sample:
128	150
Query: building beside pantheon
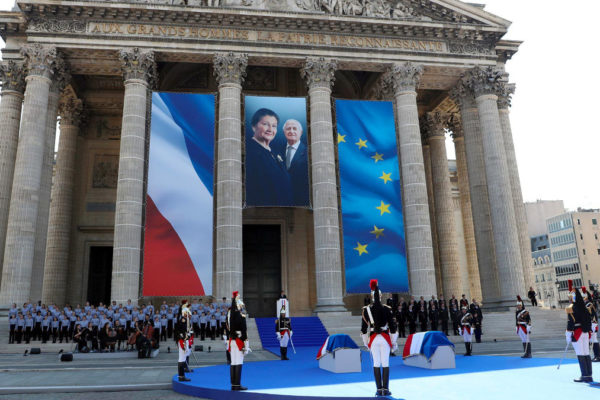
71	226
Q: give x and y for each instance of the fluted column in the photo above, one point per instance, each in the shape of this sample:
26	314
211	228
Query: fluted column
485	83
12	77
319	76
61	208
454	274
139	73
24	201
430	197
59	81
230	70
515	185
465	207
404	79
480	206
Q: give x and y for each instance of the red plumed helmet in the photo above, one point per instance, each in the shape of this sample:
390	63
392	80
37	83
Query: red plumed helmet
519	298
584	290
570	282
373	284
184	301
235	294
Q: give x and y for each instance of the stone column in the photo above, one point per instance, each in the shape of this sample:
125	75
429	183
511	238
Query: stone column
61	207
485	83
453	273
12	77
465	207
24	201
59	82
319	76
478	189
515	185
139	73
430	197
230	70
404	79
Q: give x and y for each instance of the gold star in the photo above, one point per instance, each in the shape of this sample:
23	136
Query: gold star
361	248
385	177
377	157
361	143
341	138
384	208
377	232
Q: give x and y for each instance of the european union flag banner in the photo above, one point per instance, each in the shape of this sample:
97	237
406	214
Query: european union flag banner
373	225
179	203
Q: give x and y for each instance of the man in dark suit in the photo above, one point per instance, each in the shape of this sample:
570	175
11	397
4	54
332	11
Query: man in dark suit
296	162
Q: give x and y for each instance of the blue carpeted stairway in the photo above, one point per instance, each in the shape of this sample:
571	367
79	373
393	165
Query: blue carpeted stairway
308	332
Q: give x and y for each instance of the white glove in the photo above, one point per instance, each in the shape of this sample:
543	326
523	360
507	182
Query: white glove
247	348
278	336
528	328
291	333
394	338
569	336
365	339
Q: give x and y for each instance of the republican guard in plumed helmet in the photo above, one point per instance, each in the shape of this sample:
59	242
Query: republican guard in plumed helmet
523	322
579	326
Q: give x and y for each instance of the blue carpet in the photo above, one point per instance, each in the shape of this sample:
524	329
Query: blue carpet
308	332
476	377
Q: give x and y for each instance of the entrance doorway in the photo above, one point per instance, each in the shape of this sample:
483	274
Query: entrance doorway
100	274
262	269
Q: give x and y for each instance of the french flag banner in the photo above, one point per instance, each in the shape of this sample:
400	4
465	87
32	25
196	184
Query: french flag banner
425	343
179	202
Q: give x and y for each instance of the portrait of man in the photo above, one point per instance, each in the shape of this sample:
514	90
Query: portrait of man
276	164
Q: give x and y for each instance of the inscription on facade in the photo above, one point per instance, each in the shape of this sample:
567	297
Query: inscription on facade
312	39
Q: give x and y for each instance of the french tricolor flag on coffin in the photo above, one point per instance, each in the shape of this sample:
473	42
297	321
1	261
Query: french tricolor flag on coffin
179	203
424	343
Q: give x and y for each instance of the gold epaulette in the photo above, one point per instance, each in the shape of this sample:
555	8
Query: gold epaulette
569	309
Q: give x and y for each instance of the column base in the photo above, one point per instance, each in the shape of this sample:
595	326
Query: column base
330	308
504	304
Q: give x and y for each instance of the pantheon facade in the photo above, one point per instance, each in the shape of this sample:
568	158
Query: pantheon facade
72	221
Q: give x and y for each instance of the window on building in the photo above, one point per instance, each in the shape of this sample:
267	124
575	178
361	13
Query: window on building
536	279
594	221
578	221
581	236
584	252
596	236
543	280
586	267
598	251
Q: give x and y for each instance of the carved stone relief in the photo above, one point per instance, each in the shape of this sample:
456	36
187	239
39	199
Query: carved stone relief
261	78
105	172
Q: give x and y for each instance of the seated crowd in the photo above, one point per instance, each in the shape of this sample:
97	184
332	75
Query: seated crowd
111	327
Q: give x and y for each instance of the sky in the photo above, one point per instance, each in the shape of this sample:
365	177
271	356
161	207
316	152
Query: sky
555	129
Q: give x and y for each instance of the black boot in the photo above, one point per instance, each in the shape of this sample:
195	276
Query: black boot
524	350
232	376
377	374
238	376
285	357
528	353
596	347
181	372
187	365
468	347
588	377
583	368
386	382
281	350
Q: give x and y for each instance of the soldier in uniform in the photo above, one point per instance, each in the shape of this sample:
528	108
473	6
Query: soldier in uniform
579	326
589	305
283	330
182	336
466	330
378	332
523	322
237	344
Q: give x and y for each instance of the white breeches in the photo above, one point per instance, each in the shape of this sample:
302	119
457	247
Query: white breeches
283	342
467	336
594	333
380	349
237	355
524	336
582	346
183	352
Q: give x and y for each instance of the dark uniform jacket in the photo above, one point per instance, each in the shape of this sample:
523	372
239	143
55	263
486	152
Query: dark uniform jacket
383	321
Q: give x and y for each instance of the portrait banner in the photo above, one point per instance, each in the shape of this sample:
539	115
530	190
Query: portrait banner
276	152
178	237
373	224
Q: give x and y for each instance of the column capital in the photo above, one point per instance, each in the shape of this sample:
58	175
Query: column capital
481	81
505	96
403	76
455	125
230	67
40	59
138	64
436	123
70	110
462	95
62	75
12	76
319	72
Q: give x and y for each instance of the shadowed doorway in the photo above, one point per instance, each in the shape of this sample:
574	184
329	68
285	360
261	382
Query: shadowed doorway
100	275
262	269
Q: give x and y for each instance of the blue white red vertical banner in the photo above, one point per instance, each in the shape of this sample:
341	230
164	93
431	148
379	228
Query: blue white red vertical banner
178	238
371	201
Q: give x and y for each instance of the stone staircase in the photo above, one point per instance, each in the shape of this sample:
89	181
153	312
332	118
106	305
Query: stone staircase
497	326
